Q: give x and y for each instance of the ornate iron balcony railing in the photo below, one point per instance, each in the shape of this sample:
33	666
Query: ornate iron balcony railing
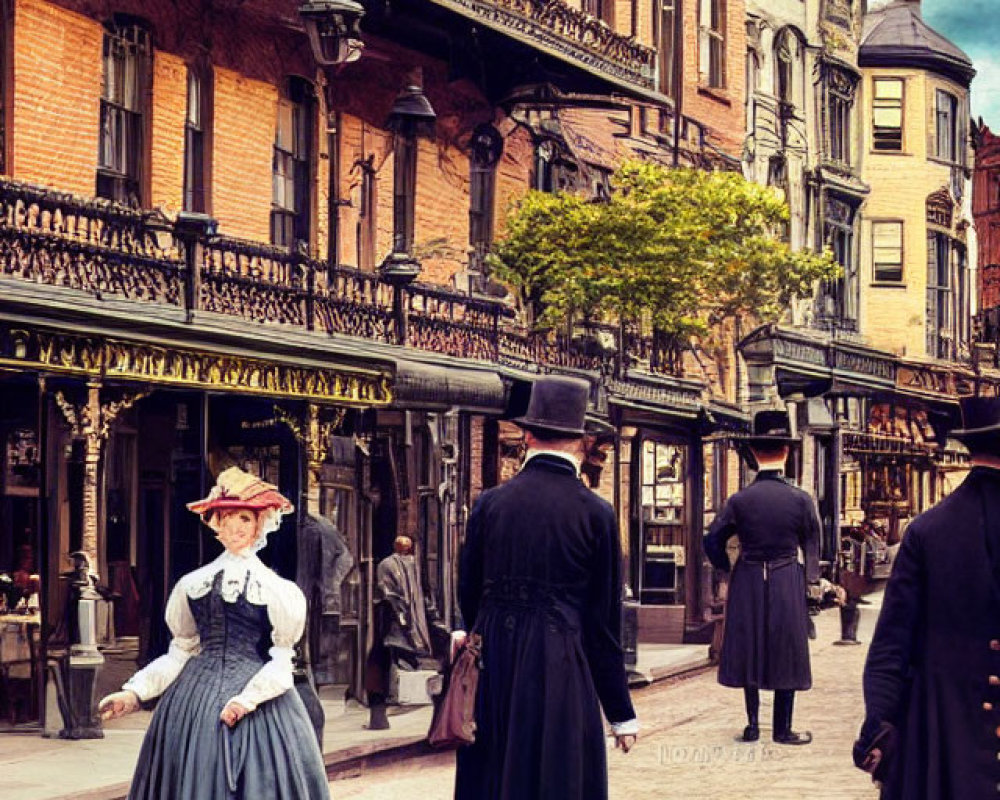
107	251
566	32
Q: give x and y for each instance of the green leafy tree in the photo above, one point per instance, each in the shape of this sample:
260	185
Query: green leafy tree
680	250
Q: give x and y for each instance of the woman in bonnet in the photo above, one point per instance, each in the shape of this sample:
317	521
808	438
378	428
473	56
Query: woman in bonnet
228	725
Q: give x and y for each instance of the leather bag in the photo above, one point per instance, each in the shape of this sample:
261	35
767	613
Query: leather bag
454	722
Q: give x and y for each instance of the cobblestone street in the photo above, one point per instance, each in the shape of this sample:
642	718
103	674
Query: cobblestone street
687	748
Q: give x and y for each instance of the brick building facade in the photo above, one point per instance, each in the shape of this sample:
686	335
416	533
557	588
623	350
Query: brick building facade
986	212
192	166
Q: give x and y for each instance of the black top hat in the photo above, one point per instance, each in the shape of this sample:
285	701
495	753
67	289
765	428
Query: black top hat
771	427
980	421
557	405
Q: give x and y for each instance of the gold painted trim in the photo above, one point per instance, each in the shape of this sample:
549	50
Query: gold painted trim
110	359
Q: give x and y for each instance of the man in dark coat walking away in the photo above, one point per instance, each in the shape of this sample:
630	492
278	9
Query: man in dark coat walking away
540	580
765	644
932	678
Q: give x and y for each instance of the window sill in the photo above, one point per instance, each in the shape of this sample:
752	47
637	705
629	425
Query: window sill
946	163
875	152
716	93
887	285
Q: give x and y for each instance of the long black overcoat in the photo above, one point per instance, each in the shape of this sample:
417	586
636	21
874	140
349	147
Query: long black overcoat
766	640
933	665
540	576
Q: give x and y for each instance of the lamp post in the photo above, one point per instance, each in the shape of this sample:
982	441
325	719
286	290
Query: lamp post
334	31
411	116
333	28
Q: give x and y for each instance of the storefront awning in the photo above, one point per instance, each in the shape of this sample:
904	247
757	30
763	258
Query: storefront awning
437	387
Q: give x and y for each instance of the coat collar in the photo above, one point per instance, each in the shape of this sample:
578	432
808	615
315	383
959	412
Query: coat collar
552	460
770	475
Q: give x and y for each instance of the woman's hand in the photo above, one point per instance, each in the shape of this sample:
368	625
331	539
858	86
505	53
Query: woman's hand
626	741
118	705
233	713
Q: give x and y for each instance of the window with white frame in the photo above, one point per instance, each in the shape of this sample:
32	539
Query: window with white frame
665	20
712	43
887	115
291	196
946	111
887	251
194	142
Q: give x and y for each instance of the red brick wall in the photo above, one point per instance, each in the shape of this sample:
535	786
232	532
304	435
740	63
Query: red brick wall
169	115
57	88
721	110
245	116
986	211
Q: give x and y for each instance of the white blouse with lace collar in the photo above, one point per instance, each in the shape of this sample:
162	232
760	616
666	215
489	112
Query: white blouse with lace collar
286	610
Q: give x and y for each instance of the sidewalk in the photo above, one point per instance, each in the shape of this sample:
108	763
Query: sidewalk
35	768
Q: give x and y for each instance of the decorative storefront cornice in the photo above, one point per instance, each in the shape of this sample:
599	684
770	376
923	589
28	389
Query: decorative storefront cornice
809	353
117	359
567	33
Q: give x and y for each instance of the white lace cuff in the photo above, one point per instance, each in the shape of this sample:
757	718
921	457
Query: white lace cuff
154	679
273	679
628	728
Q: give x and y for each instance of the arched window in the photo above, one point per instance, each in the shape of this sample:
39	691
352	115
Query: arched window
122	147
788	69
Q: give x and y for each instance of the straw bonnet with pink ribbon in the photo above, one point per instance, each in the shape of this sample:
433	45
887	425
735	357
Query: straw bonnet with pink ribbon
236	489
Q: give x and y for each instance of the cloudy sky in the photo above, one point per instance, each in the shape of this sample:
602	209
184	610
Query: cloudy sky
974	25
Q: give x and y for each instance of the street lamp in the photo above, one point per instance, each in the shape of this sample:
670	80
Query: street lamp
411	116
333	27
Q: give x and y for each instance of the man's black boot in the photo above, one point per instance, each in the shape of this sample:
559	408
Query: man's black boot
784	702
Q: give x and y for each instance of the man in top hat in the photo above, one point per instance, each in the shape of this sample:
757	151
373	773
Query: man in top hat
932	678
765	644
539	580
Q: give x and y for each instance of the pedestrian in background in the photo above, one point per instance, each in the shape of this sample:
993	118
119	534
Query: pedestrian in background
765	644
932	677
540	580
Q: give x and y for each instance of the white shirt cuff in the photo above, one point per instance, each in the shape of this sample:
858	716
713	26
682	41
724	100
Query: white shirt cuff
629	727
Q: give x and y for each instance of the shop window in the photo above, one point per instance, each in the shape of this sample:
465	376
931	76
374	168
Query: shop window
198	114
127	59
940	316
663	495
887	115
712	43
946	110
665	36
887	252
291	184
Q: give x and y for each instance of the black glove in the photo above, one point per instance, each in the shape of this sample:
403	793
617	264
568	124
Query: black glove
884	741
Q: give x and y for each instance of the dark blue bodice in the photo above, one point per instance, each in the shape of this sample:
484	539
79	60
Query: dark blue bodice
235	637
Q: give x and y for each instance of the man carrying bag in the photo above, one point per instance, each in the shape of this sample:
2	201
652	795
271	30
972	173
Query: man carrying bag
540	578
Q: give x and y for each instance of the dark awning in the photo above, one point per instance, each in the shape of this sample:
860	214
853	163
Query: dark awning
425	386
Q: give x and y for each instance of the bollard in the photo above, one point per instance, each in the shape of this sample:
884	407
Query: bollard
85	660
